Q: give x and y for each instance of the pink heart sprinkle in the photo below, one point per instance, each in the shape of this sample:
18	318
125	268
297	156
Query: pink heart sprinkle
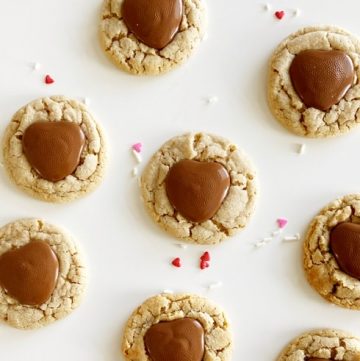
280	14
282	222
137	147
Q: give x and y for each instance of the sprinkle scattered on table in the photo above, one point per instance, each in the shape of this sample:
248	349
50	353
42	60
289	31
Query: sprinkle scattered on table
176	262
282	222
279	14
49	80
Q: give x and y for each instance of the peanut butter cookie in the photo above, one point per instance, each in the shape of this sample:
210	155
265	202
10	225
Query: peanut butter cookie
322	345
54	149
42	274
331	252
314	85
187	325
151	36
200	188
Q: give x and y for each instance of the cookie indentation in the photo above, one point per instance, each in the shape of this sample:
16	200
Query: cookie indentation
181	339
345	245
29	273
154	22
53	148
321	78
197	189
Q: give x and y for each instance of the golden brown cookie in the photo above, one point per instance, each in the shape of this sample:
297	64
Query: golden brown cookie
37	294
200	188
331	250
129	53
322	345
193	326
313	85
54	149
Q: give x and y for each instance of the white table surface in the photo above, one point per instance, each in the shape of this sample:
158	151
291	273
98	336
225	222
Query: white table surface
265	292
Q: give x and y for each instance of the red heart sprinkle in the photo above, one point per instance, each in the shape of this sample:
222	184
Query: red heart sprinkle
204	264
280	14
205	257
49	79
176	262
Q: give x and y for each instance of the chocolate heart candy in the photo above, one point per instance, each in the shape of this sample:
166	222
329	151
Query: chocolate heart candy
321	78
179	340
345	245
53	148
154	22
29	273
197	189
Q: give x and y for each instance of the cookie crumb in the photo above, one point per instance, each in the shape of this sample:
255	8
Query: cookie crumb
212	100
137	156
279	14
176	262
215	285
293	238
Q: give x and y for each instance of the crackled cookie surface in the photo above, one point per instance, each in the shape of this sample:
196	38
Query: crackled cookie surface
42	275
200	188
134	38
54	149
321	345
193	326
331	252
313	86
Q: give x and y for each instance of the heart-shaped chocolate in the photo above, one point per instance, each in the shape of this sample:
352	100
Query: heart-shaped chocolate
178	340
154	22
29	273
197	189
53	149
345	246
321	78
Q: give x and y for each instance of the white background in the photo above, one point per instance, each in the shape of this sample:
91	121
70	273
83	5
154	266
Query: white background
265	292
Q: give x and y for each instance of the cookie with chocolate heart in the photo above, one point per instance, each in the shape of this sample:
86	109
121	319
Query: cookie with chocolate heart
42	275
323	345
200	188
151	36
188	326
332	250
54	149
313	86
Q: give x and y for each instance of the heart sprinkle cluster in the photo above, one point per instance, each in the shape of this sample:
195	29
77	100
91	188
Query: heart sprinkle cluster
204	261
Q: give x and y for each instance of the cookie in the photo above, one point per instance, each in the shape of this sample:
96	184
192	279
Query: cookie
331	252
321	345
313	85
42	274
190	326
136	41
54	149
200	188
